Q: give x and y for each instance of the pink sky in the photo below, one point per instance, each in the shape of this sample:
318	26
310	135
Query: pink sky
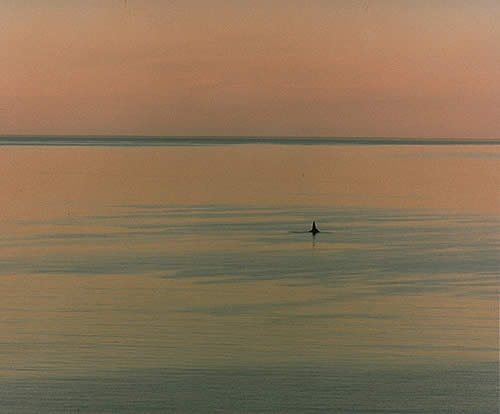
193	67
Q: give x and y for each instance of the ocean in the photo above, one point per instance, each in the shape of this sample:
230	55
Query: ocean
177	275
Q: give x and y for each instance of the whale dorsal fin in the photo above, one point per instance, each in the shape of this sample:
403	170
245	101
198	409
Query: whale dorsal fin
314	229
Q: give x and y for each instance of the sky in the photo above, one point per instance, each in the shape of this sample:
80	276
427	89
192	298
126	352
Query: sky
384	68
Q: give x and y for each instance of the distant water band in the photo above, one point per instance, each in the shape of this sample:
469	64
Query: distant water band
139	141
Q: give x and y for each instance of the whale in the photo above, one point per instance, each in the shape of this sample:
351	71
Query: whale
314	230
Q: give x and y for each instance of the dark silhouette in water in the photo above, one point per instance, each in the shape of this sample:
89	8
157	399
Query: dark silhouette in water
314	229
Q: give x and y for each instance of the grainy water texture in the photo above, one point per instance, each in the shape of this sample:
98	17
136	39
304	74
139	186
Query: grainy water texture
143	276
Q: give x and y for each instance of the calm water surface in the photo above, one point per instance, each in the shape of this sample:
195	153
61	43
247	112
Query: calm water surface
180	278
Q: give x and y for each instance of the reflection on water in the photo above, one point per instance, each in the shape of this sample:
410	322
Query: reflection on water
181	279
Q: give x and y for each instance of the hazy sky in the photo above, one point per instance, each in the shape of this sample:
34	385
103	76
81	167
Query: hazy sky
428	68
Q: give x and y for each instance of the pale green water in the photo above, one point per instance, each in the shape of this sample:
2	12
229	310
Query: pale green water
179	279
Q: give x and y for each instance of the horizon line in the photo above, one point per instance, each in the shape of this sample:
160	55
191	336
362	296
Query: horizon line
179	140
